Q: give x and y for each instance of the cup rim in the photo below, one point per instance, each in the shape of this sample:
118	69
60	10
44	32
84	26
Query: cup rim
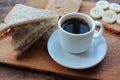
76	13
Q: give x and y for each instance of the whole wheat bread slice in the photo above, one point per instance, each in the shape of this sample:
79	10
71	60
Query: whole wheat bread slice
21	14
22	47
20	17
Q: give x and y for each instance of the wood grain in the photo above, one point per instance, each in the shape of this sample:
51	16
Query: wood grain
64	6
60	6
37	57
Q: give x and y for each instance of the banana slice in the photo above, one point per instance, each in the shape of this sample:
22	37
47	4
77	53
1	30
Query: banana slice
109	16
96	12
115	7
103	4
118	19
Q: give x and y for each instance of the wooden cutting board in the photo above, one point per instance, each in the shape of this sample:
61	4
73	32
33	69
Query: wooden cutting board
113	28
60	6
37	57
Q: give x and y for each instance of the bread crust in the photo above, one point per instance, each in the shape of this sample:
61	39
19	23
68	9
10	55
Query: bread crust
10	12
18	17
24	48
15	17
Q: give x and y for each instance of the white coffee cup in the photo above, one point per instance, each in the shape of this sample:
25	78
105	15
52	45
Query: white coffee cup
78	43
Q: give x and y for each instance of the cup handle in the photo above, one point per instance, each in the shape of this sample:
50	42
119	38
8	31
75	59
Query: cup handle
98	34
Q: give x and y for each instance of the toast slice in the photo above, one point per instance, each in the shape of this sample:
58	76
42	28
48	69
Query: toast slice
21	42
21	15
27	25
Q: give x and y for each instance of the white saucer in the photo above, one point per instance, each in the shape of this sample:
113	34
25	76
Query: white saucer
84	60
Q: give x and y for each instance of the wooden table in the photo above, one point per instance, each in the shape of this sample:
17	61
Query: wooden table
11	73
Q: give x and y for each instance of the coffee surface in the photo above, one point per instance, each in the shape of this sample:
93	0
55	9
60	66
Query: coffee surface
76	26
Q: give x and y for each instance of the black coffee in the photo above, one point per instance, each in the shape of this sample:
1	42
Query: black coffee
76	26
